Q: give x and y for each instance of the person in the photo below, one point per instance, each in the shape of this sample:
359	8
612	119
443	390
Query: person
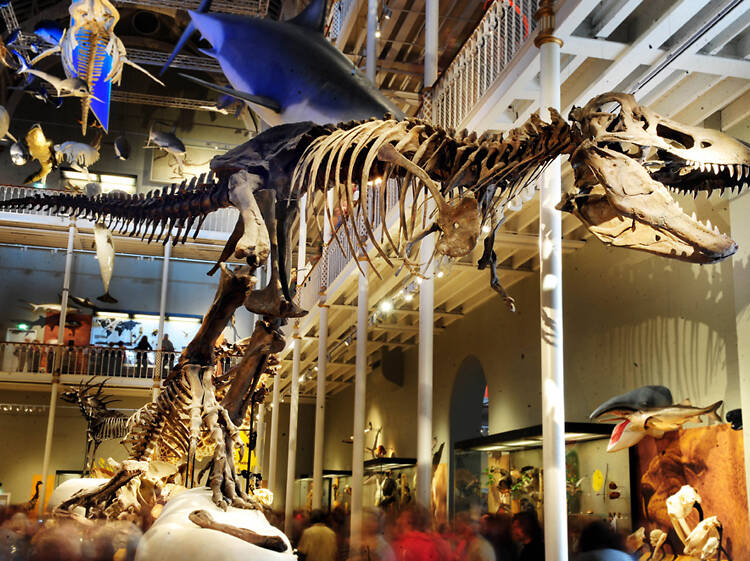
167	349
142	356
374	545
496	528
599	542
318	542
528	533
414	543
473	546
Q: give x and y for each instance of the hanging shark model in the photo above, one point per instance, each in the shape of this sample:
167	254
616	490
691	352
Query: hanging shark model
287	70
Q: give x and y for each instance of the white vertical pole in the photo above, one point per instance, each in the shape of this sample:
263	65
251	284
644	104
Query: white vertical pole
424	392
320	393
55	367
372	25
158	363
432	9
291	463
550	271
260	436
358	429
272	445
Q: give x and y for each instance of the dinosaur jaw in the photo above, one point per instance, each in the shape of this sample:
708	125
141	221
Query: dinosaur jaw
623	204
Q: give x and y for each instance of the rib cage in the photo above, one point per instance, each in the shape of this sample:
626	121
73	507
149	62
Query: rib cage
494	167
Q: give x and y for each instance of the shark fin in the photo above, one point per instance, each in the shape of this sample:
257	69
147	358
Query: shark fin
313	17
258	99
203	8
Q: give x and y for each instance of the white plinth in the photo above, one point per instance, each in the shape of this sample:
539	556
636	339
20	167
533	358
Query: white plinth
173	537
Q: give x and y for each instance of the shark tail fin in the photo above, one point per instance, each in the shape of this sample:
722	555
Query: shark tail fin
205	5
107	297
713	412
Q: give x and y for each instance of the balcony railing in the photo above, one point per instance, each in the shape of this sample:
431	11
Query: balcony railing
337	16
92	360
338	254
505	26
221	221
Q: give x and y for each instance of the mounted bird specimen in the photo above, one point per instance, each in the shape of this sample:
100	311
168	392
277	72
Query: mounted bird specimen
92	52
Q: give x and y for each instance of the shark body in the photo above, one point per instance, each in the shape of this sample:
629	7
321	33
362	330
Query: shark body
288	71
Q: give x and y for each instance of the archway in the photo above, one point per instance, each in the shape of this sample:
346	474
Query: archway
468	416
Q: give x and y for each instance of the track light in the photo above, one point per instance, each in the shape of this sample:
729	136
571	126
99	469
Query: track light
408	297
387	12
386	306
377	31
440	274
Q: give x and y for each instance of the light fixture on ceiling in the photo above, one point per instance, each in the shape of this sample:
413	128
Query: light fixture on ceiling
377	31
386	306
387	12
408	297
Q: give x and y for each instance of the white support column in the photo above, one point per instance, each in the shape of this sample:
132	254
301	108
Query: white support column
320	390
260	436
358	428
302	242
372	41
432	9
550	272
425	353
291	463
274	437
56	365
158	363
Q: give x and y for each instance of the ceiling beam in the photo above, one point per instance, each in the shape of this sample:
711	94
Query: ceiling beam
611	14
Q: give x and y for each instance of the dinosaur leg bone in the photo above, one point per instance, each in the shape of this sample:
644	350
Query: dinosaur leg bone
203	519
269	301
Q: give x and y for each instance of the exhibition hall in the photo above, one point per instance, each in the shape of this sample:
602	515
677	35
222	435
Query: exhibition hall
374	280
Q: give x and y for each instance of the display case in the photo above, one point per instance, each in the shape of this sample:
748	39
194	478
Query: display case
389	482
335	485
503	473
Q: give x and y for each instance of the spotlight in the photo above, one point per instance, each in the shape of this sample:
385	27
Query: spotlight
315	368
486	228
386	306
440	274
419	280
387	12
302	378
408	297
377	32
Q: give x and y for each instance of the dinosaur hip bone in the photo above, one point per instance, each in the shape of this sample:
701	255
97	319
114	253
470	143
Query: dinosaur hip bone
203	519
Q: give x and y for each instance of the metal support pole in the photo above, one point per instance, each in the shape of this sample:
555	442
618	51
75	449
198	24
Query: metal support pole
291	463
424	392
358	429
260	435
372	26
432	10
272	447
550	272
159	362
320	390
56	366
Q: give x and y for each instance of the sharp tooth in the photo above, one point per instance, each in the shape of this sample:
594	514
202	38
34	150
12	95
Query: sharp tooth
693	216
708	224
715	168
701	166
716	229
721	167
723	190
731	170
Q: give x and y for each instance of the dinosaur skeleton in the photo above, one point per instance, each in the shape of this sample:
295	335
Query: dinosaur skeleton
625	163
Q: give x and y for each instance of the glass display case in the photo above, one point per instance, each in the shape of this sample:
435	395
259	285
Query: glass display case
335	485
503	473
389	483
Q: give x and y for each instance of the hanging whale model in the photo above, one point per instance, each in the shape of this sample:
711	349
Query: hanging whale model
105	254
311	80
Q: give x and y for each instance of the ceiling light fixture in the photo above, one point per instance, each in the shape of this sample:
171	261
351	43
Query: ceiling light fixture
377	31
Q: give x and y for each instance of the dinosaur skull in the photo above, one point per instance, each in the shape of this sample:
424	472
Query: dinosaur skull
625	166
459	227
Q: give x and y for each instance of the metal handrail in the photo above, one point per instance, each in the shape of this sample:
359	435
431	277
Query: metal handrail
114	361
504	28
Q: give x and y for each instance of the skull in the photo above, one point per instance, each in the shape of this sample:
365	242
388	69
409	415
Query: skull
459	227
625	166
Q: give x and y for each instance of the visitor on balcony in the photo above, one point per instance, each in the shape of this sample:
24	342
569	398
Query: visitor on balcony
167	349
141	358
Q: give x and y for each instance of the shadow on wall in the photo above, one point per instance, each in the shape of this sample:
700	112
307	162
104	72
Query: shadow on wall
672	323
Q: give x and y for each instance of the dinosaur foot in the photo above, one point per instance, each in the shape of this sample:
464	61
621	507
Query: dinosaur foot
509	301
203	519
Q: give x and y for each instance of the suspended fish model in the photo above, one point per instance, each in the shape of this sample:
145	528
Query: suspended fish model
91	51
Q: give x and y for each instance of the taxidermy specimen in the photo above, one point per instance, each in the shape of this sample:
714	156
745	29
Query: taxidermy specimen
648	410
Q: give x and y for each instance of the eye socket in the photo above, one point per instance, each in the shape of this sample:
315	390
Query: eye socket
674	137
